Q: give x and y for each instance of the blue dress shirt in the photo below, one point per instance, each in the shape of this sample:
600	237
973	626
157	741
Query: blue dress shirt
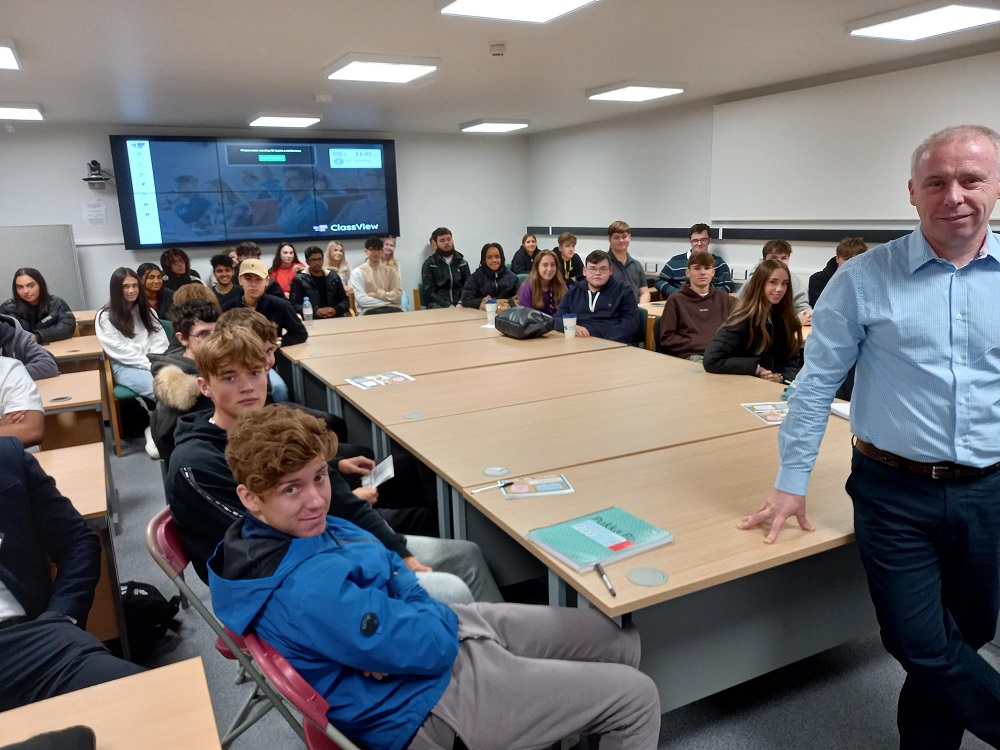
926	339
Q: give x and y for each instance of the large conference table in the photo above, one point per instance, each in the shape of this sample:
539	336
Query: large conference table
649	433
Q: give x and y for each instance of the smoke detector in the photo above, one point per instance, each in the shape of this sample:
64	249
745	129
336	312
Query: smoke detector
498	50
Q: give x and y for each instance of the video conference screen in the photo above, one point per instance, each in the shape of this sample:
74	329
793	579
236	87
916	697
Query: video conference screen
215	191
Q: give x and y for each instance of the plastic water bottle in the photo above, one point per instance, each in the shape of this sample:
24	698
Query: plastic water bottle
307	310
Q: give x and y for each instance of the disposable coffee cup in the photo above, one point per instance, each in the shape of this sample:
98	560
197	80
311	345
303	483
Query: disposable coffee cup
569	326
491	311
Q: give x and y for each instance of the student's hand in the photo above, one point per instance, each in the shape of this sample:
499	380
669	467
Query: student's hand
416	566
776	509
325	312
774	377
368	494
581	332
806	317
13	417
375	675
359	465
502	305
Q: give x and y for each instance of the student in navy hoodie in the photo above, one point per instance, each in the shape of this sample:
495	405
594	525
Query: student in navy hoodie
492	280
604	306
398	668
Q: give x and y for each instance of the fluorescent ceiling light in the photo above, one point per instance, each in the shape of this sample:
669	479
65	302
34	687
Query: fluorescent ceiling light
380	68
282	121
8	56
20	112
926	20
493	126
530	11
633	91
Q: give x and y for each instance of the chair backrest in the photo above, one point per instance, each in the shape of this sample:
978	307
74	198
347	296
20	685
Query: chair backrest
164	543
418	296
300	694
656	336
639	339
168	328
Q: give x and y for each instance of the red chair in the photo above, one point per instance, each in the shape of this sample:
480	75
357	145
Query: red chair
320	734
164	544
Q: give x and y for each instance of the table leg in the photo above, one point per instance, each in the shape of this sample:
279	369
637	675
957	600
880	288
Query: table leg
378	444
334	403
116	592
459	529
444	508
298	383
112	493
557	590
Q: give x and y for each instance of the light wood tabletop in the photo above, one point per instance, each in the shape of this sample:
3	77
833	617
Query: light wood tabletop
390	338
79	475
85	316
698	491
70	391
457	355
78	347
456	391
655	309
527	438
334	326
163	708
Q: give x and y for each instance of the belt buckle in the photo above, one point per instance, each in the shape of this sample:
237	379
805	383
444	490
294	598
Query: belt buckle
942	472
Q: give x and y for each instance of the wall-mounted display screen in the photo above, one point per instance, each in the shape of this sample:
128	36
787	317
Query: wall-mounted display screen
213	191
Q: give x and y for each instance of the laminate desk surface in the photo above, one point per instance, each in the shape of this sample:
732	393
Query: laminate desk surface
163	708
456	391
85	317
457	355
78	347
70	391
655	309
528	438
698	491
388	339
334	326
79	475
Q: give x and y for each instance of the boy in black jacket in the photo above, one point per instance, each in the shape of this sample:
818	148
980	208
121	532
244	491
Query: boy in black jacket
444	273
323	287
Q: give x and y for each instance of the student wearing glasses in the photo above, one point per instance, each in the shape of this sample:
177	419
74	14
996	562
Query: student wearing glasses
604	306
673	275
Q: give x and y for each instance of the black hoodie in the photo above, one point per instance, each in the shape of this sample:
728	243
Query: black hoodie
819	280
521	262
201	492
500	284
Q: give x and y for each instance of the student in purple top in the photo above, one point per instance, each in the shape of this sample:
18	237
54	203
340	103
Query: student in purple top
544	287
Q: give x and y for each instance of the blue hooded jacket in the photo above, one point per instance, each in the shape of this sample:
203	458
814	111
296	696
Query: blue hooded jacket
334	606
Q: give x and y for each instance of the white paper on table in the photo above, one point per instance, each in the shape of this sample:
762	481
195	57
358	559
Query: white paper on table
381	474
841	409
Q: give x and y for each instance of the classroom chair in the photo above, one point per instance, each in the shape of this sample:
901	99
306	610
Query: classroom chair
656	337
164	544
641	336
417	294
116	393
319	733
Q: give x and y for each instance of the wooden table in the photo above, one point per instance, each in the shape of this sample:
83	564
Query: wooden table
84	321
654	309
334	326
163	708
79	474
76	348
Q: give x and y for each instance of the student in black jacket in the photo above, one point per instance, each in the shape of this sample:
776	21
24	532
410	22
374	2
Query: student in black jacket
45	316
177	269
444	273
570	264
492	280
46	651
323	288
763	336
525	255
847	249
253	280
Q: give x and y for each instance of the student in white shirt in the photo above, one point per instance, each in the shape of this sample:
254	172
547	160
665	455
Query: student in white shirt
22	414
377	288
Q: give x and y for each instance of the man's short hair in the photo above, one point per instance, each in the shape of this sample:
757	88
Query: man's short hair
955	133
566	239
698	229
598	256
186	314
235	347
244	317
374	243
616	227
190	292
439	232
272	442
777	247
248	250
311	251
701	258
849	247
223	260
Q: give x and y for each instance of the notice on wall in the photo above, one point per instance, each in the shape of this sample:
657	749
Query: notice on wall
95	213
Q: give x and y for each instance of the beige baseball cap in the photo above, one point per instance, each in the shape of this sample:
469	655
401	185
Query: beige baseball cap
254	266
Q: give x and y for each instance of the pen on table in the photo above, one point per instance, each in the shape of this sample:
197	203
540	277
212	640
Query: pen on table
604	577
498	486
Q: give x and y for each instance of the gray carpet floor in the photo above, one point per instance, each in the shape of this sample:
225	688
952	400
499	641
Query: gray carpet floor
841	699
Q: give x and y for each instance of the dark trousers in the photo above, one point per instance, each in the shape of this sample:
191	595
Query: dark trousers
931	549
50	656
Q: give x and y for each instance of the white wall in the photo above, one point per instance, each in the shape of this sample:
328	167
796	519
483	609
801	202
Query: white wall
473	185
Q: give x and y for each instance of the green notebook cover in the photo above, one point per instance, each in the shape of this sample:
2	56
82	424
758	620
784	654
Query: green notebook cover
606	535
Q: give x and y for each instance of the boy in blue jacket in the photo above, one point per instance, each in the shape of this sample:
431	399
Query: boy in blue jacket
398	668
604	306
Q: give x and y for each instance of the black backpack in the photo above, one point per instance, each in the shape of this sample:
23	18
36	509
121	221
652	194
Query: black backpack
148	616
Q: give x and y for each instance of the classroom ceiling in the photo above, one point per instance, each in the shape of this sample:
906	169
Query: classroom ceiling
215	63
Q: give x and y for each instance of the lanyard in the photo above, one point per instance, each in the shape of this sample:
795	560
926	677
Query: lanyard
592	299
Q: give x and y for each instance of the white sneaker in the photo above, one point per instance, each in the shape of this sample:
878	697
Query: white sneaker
151	446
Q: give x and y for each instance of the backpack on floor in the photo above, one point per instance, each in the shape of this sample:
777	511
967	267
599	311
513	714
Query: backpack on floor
148	616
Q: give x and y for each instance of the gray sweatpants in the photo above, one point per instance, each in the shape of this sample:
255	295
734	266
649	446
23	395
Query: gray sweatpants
528	676
451	558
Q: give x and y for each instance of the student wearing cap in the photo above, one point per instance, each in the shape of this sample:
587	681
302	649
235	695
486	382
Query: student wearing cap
253	279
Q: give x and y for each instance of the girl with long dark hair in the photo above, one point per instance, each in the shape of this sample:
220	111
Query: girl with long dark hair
45	316
285	265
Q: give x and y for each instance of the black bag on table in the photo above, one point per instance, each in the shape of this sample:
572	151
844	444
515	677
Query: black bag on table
523	323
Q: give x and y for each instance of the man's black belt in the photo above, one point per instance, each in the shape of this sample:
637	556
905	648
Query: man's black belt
939	470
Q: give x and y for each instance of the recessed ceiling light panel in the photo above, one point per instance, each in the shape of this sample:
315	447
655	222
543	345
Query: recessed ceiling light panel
370	68
529	11
926	20
8	56
493	126
20	112
633	91
282	121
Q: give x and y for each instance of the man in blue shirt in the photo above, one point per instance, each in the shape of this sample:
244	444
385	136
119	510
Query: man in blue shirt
920	318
